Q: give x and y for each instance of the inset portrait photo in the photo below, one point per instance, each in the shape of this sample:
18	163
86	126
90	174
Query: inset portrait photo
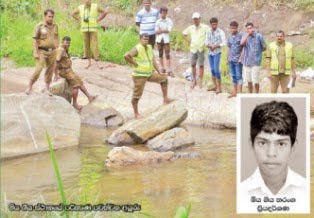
273	153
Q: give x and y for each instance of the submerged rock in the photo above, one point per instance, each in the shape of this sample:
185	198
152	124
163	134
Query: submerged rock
153	123
124	156
171	140
99	113
26	119
181	155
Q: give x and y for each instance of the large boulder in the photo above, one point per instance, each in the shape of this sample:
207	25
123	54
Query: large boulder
124	156
154	122
211	110
26	119
100	113
61	88
171	140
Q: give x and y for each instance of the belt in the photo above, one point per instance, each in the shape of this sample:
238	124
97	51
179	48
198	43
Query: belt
46	49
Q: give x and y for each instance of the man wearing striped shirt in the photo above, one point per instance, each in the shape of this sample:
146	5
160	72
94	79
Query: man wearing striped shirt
146	20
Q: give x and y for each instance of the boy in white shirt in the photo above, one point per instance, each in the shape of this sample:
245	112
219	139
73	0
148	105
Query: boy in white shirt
162	30
273	135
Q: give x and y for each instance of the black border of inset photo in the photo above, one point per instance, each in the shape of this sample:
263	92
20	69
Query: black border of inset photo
299	160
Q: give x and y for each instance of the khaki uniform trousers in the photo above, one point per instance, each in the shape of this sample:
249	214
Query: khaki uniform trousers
91	38
48	59
283	80
140	81
70	77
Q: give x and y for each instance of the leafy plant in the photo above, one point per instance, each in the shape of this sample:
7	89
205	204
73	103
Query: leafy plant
182	212
58	177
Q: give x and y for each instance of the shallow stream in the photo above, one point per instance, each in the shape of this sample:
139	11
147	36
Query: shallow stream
209	183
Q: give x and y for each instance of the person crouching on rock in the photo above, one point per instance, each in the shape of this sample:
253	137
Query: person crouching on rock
64	64
142	59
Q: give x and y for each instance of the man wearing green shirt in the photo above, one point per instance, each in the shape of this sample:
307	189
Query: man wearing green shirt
195	35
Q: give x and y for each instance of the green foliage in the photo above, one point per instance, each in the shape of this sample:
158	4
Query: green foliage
304	59
182	212
114	43
123	4
16	41
19	7
304	4
297	4
177	41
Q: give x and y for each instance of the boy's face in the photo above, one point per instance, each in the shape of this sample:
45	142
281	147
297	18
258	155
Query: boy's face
272	153
234	29
66	44
163	14
214	25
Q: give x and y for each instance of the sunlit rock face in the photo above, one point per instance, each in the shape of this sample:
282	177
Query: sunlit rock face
25	119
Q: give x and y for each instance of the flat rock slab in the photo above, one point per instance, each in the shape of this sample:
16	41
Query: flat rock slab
26	118
125	156
99	113
171	140
154	122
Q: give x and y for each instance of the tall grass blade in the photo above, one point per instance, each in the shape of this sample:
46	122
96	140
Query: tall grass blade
55	166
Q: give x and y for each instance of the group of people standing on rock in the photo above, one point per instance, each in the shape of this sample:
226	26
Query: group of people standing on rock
244	51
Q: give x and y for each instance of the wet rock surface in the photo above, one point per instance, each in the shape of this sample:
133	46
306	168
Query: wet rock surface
153	123
171	140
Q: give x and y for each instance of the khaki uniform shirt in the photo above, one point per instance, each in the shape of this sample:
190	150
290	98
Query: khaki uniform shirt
63	58
46	35
281	56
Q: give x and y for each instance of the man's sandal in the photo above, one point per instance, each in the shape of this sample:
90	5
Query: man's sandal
170	73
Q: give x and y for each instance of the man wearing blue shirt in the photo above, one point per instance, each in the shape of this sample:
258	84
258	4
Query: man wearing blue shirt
234	50
253	45
146	20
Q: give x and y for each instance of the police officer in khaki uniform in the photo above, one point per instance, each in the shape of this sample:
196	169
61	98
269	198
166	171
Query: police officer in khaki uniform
87	14
64	64
45	42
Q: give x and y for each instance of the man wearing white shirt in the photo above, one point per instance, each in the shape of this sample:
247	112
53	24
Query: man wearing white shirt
162	29
274	186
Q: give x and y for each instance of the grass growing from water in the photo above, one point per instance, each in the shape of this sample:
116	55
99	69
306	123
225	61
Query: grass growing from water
57	173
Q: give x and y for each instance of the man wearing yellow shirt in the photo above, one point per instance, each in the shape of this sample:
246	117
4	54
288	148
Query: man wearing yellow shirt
195	35
280	63
144	65
87	14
